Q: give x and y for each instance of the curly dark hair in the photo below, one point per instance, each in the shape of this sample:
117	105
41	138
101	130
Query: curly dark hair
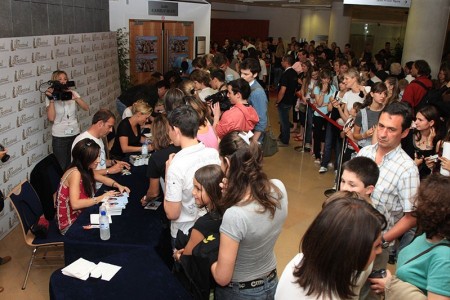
432	206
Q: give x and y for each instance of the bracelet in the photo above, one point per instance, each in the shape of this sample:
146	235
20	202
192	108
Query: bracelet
112	185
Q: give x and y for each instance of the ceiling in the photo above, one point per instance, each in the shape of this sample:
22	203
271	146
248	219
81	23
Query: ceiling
358	12
279	3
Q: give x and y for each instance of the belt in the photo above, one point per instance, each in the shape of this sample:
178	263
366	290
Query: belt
254	283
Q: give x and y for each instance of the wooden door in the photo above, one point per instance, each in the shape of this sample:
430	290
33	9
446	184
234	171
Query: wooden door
179	38
146	49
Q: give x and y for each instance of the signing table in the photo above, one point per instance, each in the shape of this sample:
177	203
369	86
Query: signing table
140	243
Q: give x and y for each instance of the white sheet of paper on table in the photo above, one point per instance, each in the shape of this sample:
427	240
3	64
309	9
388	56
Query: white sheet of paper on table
105	270
95	219
79	269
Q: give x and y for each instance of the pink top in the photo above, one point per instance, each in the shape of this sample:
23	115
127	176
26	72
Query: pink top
66	215
209	138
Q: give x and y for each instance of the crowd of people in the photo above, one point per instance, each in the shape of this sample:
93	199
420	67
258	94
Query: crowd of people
207	126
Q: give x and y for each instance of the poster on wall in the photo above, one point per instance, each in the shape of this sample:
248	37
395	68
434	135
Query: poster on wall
146	63
146	44
200	45
178	49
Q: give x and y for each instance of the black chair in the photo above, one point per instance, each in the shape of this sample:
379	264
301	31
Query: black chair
28	207
45	178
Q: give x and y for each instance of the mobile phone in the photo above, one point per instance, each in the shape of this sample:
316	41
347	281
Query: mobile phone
381	273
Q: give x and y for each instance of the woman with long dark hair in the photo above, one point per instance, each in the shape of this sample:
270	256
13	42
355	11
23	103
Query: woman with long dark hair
77	187
256	209
336	253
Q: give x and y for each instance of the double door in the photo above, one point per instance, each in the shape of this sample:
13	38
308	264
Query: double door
158	46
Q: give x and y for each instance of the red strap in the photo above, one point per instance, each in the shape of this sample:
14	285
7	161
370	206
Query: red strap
350	141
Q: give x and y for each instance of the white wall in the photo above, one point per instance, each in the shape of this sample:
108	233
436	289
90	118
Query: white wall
120	13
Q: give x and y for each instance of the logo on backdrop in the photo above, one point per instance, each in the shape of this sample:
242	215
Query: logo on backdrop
11	172
75	39
22	89
40	42
20	44
17	60
22	74
30	131
44	69
61	40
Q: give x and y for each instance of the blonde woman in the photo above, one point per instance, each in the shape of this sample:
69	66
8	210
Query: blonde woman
129	138
63	115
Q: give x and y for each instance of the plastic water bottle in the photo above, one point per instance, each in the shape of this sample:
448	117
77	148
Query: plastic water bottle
104	226
144	150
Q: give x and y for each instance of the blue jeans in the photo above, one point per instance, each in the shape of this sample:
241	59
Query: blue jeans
62	148
285	129
120	107
263	292
332	140
308	125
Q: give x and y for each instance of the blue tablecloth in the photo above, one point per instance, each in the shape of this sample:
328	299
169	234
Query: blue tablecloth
140	242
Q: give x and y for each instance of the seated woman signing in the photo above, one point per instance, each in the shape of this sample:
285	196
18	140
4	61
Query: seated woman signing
77	187
128	138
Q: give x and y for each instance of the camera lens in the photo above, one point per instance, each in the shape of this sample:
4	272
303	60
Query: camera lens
5	158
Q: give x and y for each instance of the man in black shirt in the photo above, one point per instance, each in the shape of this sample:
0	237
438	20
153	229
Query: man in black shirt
286	98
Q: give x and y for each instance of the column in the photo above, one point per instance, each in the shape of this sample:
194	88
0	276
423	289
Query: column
425	32
340	21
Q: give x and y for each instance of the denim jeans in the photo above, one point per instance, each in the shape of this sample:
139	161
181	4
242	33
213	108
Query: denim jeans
308	125
318	134
332	140
62	148
263	292
283	115
120	107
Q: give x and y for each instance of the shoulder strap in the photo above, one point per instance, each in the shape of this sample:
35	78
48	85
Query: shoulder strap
421	84
426	251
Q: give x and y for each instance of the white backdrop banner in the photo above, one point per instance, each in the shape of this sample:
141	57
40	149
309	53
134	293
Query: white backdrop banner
89	59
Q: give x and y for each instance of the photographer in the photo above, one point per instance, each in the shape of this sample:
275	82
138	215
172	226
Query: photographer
63	115
3	260
241	116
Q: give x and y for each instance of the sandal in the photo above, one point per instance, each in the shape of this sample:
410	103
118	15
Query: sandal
298	138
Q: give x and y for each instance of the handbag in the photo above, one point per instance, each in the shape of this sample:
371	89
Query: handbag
269	143
397	289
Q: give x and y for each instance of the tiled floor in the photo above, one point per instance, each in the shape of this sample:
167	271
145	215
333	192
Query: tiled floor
296	170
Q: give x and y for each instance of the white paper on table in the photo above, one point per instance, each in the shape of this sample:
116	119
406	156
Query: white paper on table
79	269
446	154
105	270
95	219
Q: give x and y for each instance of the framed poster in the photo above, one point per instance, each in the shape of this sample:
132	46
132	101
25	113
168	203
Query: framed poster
200	45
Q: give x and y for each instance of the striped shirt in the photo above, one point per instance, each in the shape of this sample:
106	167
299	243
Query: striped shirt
397	185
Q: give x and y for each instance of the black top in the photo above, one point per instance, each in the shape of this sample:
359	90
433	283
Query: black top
289	80
124	129
157	161
208	224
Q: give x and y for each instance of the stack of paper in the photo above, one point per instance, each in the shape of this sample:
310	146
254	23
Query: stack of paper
79	269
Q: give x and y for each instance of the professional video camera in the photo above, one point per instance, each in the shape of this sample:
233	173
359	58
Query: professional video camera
222	98
61	91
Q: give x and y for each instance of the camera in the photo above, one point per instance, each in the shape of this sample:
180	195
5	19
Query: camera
220	97
381	273
60	91
7	156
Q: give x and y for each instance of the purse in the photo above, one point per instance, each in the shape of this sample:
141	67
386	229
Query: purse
269	143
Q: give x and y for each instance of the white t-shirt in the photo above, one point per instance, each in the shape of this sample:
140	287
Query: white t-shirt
206	92
263	72
66	122
127	113
350	98
179	183
102	164
288	288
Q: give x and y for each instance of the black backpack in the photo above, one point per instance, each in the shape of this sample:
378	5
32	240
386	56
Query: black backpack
432	97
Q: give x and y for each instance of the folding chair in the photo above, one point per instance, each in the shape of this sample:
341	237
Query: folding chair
28	207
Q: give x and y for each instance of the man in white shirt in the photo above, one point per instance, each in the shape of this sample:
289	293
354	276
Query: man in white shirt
102	124
179	204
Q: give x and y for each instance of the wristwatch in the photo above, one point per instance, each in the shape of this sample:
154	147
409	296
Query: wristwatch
384	243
